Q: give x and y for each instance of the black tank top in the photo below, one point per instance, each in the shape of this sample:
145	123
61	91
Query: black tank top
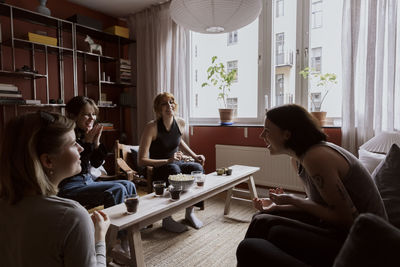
167	142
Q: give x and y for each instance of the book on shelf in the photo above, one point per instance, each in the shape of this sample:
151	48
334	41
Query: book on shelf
106	103
8	87
33	101
2	91
107	125
125	61
16	101
11	95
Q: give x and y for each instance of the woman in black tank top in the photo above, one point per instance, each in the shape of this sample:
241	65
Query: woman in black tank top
162	147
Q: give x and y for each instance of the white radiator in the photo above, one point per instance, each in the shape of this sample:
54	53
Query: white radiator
275	171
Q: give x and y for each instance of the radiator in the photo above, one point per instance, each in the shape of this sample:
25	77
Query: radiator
275	171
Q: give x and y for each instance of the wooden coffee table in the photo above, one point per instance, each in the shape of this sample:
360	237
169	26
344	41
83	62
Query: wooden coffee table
152	209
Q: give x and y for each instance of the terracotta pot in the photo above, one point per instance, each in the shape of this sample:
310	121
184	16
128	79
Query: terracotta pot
320	116
226	116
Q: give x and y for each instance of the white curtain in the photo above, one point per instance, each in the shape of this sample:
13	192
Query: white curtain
161	51
371	73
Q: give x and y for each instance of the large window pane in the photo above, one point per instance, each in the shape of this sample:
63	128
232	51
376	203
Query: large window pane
284	42
325	52
321	51
237	50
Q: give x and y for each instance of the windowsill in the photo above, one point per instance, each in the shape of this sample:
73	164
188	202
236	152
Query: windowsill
243	125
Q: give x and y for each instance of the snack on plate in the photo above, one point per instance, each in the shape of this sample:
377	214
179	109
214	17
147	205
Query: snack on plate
184	180
181	177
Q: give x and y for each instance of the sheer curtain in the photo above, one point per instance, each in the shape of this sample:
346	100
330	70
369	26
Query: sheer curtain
371	73
161	61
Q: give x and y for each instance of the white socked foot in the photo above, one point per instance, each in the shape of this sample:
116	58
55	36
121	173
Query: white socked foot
191	217
171	225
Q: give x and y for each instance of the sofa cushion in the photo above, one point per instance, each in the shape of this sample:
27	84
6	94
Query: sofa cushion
387	179
135	154
370	160
372	241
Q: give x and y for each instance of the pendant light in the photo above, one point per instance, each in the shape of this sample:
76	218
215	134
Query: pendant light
214	16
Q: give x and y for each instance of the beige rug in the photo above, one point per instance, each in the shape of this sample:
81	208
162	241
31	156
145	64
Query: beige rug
213	245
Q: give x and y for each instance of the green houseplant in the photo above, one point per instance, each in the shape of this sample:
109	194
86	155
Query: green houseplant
218	77
323	83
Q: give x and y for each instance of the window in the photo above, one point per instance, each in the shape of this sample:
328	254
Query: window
244	91
232	38
316	54
280	44
272	50
279	8
316	14
233	65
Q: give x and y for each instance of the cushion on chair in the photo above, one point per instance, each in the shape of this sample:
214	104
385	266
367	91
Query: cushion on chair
372	241
370	160
135	154
387	179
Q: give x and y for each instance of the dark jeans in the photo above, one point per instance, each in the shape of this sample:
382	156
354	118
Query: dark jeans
162	172
289	239
89	193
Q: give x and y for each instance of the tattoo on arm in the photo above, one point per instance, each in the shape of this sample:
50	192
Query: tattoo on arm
319	181
347	198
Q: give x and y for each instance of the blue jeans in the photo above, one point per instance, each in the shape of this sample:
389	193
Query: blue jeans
162	172
89	193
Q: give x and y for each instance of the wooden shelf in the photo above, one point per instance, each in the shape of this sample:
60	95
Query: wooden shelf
42	105
34	17
25	44
100	35
26	75
103	59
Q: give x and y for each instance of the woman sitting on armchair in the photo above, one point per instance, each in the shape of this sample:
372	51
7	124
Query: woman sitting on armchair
82	187
159	145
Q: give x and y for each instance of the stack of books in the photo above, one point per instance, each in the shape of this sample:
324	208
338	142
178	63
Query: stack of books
107	126
9	94
124	71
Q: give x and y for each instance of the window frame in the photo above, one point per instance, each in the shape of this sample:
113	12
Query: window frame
265	55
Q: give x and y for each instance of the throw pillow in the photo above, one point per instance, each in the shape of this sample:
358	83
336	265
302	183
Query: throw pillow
370	160
135	154
372	241
387	179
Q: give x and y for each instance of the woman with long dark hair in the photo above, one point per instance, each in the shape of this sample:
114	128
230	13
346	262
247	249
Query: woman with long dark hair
291	230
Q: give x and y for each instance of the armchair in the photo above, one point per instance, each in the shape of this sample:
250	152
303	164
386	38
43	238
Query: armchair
123	165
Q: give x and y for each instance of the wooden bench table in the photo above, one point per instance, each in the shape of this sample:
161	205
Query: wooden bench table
152	209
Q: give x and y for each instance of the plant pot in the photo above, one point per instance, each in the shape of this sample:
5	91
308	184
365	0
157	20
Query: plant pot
226	116
320	116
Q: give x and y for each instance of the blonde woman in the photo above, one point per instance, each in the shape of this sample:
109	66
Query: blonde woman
162	147
38	151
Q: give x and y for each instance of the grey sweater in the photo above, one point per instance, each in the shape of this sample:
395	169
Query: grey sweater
48	231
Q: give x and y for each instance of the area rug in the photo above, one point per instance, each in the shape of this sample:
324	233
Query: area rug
213	245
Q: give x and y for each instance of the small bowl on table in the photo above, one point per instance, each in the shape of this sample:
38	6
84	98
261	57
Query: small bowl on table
184	180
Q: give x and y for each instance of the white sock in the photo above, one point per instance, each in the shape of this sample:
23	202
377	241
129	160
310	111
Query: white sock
191	217
171	225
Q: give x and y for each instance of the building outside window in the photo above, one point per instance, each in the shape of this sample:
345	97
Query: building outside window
232	38
279	8
316	57
233	65
265	79
316	14
280	48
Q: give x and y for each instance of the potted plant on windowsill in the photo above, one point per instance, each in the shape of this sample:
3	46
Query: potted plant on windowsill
218	77
323	82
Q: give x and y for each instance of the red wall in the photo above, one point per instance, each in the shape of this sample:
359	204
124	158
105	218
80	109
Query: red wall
205	138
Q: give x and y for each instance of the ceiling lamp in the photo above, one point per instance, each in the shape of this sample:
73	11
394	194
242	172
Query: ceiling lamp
214	16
